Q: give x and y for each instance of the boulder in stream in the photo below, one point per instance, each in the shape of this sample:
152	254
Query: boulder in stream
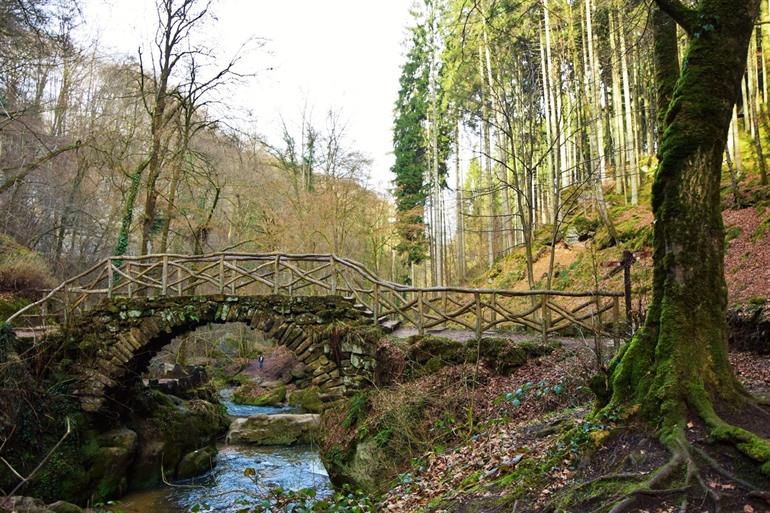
309	399
254	395
197	462
280	429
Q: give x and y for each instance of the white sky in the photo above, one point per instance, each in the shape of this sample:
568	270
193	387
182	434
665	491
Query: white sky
329	54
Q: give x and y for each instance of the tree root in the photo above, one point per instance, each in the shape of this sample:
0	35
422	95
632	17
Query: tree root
719	469
609	477
684	456
750	444
765	496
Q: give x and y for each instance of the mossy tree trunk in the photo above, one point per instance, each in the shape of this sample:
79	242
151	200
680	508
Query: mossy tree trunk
678	362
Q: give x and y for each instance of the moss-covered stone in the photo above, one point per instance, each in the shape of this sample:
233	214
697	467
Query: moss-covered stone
110	463
197	462
64	507
429	354
169	429
279	429
253	395
309	399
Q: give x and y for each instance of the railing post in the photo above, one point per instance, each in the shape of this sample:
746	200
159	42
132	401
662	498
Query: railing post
221	274
334	275
545	317
598	303
494	306
479	318
109	278
420	328
66	305
616	320
276	265
444	297
164	276
627	260
179	288
376	304
130	280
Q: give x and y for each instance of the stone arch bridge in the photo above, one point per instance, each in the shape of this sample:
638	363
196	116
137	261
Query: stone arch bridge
117	313
112	344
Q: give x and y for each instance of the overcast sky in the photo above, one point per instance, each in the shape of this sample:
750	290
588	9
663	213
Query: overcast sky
328	54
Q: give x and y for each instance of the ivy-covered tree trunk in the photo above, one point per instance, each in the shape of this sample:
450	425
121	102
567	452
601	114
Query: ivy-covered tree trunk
678	362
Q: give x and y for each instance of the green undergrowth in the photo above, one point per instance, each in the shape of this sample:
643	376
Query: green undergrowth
11	305
372	439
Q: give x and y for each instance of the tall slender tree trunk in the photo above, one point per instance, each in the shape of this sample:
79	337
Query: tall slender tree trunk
121	246
459	224
631	148
753	103
735	142
619	144
597	131
486	170
500	165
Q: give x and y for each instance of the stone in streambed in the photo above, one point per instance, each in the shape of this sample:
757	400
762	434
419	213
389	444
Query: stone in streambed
254	395
64	507
281	429
197	462
309	399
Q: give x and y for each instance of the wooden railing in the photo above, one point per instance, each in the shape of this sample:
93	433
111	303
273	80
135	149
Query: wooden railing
478	310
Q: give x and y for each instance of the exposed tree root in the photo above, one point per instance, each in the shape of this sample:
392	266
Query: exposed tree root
683	474
750	444
765	496
609	477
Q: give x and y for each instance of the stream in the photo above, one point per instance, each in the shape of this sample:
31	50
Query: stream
225	488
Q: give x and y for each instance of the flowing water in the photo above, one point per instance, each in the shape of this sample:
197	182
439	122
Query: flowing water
225	488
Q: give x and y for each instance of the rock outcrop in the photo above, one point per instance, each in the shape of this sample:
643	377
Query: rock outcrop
197	462
749	328
169	429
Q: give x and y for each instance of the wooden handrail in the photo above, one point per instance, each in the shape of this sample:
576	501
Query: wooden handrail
278	272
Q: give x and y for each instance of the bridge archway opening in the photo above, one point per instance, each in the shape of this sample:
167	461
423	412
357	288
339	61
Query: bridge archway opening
229	354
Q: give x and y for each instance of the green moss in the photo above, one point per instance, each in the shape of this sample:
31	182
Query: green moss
309	399
252	395
430	354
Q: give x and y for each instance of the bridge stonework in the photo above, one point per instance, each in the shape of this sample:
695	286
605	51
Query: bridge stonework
111	344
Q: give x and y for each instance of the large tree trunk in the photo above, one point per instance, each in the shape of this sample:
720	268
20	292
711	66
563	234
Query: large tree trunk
678	362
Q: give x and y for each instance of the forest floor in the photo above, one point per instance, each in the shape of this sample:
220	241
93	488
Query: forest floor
512	452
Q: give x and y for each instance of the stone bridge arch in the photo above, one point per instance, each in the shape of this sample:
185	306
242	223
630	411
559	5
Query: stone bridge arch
110	345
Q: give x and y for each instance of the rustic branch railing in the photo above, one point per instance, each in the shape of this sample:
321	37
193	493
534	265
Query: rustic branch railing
479	310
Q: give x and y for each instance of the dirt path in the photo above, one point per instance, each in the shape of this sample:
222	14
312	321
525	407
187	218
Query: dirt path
469	336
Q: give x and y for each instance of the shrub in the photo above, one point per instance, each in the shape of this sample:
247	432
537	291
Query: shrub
23	272
25	279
